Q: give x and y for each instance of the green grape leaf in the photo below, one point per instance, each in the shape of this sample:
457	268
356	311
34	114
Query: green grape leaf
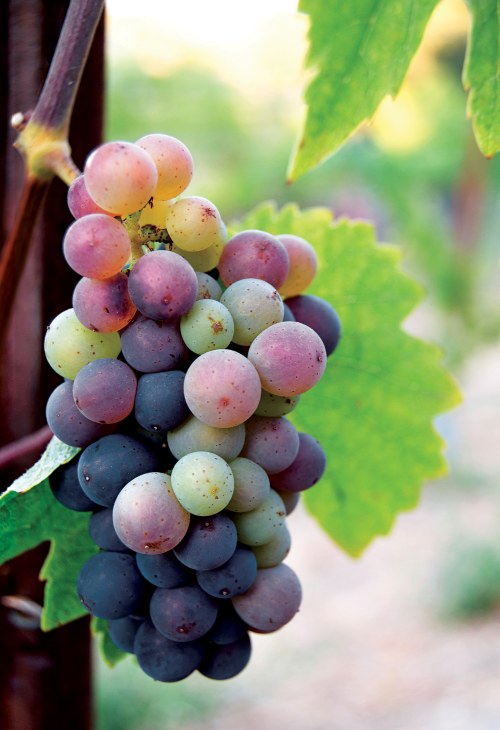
482	74
373	409
359	52
109	651
30	515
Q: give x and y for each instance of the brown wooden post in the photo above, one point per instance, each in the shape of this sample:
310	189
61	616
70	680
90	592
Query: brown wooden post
45	678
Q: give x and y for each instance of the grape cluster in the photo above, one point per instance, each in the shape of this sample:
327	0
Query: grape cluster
181	356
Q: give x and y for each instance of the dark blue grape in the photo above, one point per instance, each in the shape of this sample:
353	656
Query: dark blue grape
234	577
110	585
182	614
164	570
103	533
165	660
123	632
66	488
160	404
209	542
228	626
227	660
318	314
107	465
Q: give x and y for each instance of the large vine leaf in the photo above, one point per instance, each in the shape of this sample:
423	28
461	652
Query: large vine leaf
359	52
30	515
373	409
482	74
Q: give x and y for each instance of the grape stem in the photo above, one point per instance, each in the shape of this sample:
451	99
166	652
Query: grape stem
43	142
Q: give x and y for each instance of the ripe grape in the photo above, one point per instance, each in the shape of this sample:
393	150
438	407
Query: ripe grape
222	388
69	345
66	488
233	577
306	469
273	443
67	422
289	357
173	161
160	404
163	659
209	542
256	255
102	532
120	177
195	224
226	660
318	314
104	390
303	265
272	601
151	347
110	585
163	285
207	326
96	246
103	305
163	570
182	614
203	483
79	201
254	305
124	630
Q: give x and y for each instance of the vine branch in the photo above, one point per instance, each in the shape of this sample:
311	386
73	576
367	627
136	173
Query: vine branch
43	142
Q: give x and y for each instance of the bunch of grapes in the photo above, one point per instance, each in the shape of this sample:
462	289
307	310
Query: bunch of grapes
182	355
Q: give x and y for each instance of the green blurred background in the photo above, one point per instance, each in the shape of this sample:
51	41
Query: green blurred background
416	174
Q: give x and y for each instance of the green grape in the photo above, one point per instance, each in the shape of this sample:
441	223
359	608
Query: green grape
261	524
207	326
254	305
274	551
69	346
251	485
203	483
194	435
275	406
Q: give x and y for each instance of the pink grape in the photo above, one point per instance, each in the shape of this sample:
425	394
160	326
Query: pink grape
121	177
79	201
289	357
147	515
96	246
173	161
104	390
163	285
103	306
303	265
254	254
222	388
152	347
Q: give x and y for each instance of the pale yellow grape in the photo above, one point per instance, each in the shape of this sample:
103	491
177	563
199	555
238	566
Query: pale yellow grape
69	346
173	161
205	260
194	223
154	214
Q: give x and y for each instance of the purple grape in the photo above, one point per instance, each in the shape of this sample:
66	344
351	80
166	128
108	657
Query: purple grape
66	488
182	614
289	357
318	314
272	601
227	660
103	306
79	201
209	542
273	443
153	347
163	285
111	462
164	570
110	585
165	660
160	404
222	388
255	255
104	390
233	577
147	516
228	626
124	630
68	423
306	469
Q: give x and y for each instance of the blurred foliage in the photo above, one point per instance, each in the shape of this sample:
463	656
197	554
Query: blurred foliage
415	173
